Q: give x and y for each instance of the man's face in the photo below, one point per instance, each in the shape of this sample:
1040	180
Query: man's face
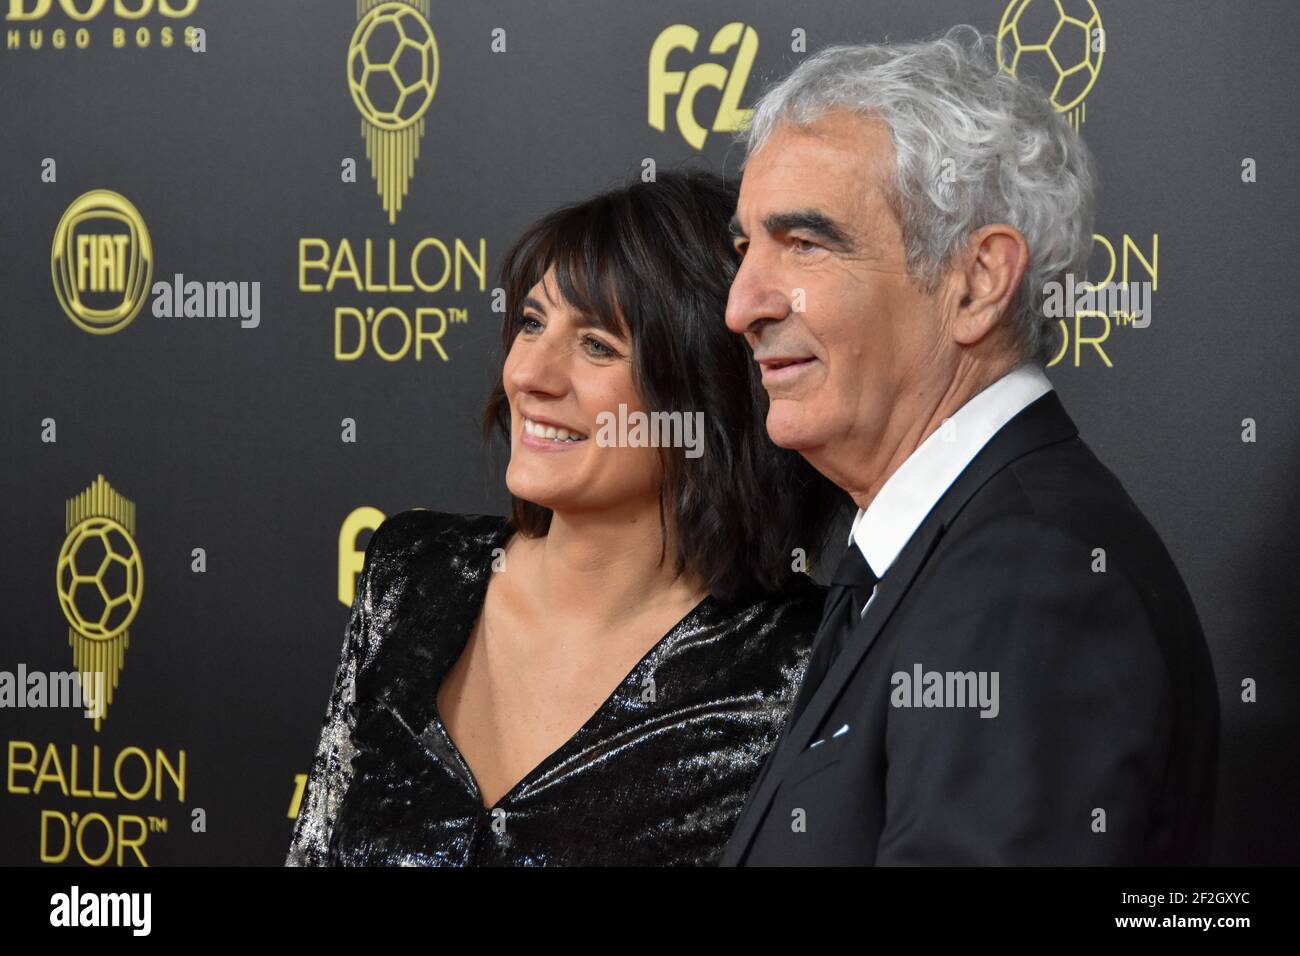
844	339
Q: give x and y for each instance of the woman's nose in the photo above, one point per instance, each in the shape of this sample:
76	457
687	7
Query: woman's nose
537	367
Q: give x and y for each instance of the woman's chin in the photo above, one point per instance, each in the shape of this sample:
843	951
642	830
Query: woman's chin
531	488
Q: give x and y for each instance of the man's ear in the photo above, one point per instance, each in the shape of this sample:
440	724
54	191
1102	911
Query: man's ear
987	280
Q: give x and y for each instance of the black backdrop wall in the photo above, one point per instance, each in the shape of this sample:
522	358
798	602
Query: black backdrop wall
246	455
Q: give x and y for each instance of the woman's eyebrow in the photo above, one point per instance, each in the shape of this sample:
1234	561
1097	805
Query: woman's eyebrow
581	319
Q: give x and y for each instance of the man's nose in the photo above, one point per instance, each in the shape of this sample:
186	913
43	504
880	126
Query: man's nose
754	297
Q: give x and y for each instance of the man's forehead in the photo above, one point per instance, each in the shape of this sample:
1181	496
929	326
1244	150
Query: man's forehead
829	140
835	165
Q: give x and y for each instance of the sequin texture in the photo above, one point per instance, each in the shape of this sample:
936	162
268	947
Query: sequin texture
657	776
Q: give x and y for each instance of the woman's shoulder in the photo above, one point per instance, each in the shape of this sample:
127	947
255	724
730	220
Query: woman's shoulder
422	526
418	535
421	572
752	648
783	622
412	552
801	597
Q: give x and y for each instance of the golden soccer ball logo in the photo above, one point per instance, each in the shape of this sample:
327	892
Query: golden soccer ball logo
100	578
1053	40
392	66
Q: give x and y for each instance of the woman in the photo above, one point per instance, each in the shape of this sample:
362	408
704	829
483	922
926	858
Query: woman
598	678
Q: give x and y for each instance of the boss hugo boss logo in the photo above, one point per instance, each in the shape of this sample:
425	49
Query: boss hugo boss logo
37	25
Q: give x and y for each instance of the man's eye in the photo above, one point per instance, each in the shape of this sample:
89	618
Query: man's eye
803	245
742	246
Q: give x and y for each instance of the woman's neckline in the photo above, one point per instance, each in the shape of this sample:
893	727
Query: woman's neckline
499	540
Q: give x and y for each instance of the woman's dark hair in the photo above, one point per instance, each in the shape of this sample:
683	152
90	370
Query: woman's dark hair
658	256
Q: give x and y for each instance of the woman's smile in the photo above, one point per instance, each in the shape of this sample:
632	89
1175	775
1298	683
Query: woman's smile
545	436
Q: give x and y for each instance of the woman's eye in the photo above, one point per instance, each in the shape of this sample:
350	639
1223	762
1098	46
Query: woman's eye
598	348
531	325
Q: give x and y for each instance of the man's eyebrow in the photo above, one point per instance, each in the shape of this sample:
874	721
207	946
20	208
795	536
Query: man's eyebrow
814	221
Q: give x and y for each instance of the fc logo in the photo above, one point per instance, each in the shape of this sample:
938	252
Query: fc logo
686	85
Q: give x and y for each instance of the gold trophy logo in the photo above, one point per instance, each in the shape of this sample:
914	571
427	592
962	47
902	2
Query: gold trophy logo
1060	42
99	578
392	74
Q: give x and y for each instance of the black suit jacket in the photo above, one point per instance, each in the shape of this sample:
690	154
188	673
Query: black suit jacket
1104	747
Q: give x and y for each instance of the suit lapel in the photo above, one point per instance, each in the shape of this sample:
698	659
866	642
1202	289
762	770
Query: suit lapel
798	700
1042	422
805	689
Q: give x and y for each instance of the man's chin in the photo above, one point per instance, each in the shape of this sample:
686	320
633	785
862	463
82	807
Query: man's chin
786	427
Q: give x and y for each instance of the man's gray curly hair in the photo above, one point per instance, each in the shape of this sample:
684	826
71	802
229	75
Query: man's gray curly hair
1014	158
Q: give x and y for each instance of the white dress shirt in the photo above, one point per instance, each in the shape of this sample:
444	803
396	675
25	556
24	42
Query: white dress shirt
911	492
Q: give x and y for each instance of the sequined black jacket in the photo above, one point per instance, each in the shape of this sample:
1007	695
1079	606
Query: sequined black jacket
657	776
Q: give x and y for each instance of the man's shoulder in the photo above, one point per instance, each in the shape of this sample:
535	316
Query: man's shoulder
1051	560
1064	493
1056	528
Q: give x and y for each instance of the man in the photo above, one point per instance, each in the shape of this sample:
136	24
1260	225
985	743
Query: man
1010	669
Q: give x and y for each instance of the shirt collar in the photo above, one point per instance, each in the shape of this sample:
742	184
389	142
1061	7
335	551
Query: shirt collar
903	502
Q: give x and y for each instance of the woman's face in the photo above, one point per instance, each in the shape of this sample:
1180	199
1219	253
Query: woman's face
562	372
